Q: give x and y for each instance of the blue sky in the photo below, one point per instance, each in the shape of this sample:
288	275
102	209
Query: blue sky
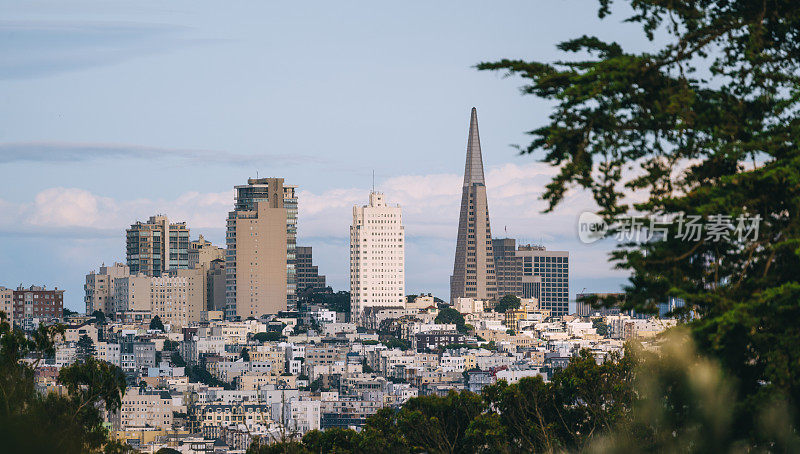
114	111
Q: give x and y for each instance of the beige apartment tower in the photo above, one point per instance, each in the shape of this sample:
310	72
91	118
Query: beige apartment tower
259	264
377	256
473	268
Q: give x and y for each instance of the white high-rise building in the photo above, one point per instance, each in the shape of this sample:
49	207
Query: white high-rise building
377	256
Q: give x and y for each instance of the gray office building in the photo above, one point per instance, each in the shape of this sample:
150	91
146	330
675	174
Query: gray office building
545	275
507	267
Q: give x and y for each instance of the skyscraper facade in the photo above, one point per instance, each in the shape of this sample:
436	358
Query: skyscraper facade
473	270
157	245
377	256
507	267
261	239
546	273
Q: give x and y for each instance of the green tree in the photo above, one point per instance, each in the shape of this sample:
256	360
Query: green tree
687	404
381	435
710	115
245	354
582	401
338	301
506	303
438	424
270	336
31	421
176	359
85	347
451	316
155	323
168	451
393	342
316	385
66	312
600	325
332	440
99	316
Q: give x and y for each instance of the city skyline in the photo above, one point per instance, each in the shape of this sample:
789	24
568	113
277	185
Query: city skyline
196	130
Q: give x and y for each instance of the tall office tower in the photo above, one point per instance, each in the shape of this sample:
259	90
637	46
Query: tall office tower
261	239
290	203
156	246
377	258
473	270
202	252
99	288
507	267
308	276
548	273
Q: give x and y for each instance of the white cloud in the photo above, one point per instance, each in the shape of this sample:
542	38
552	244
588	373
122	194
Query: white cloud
431	204
65	209
430	209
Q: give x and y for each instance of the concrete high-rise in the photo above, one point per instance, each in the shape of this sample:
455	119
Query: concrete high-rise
155	246
261	240
377	256
507	267
473	270
545	275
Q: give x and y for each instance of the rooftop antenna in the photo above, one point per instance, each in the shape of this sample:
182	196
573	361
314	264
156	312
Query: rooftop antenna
373	180
256	174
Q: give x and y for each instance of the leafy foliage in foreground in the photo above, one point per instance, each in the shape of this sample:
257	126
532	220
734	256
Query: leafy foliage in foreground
31	421
672	401
706	124
583	400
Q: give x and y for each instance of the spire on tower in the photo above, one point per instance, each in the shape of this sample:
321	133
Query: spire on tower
473	170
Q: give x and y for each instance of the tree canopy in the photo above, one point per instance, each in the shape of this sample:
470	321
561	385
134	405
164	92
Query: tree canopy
583	401
506	303
155	323
31	421
704	129
449	315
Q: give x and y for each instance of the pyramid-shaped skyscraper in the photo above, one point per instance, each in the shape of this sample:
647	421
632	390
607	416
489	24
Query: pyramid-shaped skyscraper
473	270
